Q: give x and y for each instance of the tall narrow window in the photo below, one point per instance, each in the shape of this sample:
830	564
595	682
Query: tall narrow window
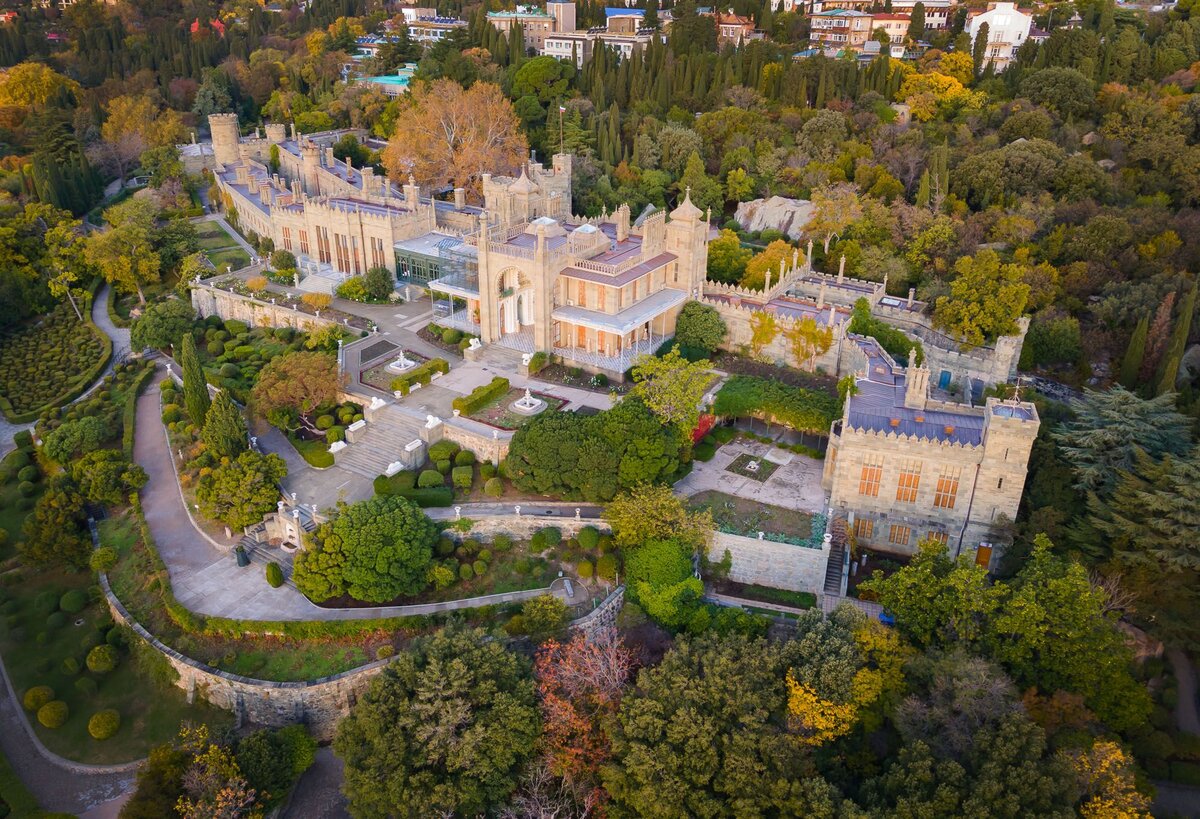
947	488
868	482
899	534
939	537
909	482
864	529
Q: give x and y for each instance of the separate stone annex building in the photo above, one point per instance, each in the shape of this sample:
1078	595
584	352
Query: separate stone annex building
520	271
902	468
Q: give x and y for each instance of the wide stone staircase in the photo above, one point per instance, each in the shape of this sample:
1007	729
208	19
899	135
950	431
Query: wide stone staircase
381	442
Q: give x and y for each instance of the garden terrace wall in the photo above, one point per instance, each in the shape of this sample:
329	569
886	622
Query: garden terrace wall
737	319
523	527
319	703
488	443
209	301
767	563
989	364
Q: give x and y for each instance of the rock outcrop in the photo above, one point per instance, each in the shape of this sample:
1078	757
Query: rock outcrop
788	216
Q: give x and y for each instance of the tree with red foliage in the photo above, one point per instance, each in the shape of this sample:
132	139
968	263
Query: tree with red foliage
579	686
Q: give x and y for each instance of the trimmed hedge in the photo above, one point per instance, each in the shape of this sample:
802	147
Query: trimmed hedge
462	477
743	396
481	396
37	696
421	374
430	478
274	575
443	450
53	714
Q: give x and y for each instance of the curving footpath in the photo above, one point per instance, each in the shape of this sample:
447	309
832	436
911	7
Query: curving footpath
58	784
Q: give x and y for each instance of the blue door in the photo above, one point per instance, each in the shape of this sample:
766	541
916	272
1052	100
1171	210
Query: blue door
944	380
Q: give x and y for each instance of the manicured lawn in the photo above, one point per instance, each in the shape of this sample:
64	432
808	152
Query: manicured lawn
213	237
15	798
233	257
38	644
316	451
752	466
740	516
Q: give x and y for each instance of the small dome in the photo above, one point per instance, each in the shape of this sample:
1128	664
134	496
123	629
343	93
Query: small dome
686	211
523	185
586	229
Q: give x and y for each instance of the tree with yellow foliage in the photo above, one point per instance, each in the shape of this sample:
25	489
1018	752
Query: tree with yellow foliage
926	94
32	85
808	340
763	329
767	261
1106	777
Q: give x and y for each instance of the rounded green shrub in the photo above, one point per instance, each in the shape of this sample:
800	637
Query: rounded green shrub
46	602
588	537
71	666
73	601
324	422
103	559
5	475
551	535
703	451
383	652
91	640
102	659
29	473
53	714
215	348
462	476
480	567
430	478
230	371
104	724
37	696
445	547
515	625
274	575
27	489
465	457
471	545
606	568
443	450
18	459
584	569
335	434
171	413
115	637
502	543
451	336
487	471
485	555
443	466
465	571
606	544
56	620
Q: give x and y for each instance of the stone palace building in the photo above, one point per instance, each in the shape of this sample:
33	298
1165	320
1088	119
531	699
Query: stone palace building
522	272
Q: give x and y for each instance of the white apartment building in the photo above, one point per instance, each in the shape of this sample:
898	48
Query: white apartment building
1007	30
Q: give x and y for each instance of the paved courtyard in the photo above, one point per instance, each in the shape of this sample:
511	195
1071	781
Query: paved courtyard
795	483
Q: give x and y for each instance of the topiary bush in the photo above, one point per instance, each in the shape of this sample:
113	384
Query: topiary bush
465	457
493	487
383	652
27	489
73	601
46	602
430	478
462	477
443	450
103	559
551	535
37	696
103	724
102	659
53	714
606	568
274	575
703	451
86	686
480	567
29	473
56	620
465	571
584	569
487	471
589	538
451	336
443	466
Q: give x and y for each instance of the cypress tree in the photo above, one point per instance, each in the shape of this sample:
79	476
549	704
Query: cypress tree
916	22
1179	337
224	428
1134	353
923	191
195	387
979	49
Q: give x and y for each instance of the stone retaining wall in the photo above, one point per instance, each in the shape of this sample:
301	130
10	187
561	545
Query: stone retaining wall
319	703
209	301
604	616
767	563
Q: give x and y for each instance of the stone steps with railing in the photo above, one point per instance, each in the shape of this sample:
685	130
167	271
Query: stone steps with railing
380	443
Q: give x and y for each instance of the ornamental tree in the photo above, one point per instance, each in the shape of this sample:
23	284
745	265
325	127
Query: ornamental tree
649	511
727	258
986	299
54	532
444	730
375	550
195	385
700	327
104	476
672	387
240	492
162	324
296	383
224	431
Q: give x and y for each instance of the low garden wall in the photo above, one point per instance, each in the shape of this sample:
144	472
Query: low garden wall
209	301
767	563
523	527
489	444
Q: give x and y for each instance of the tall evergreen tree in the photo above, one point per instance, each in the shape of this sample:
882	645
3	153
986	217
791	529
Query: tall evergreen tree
916	22
1169	372
979	49
195	386
224	428
1134	354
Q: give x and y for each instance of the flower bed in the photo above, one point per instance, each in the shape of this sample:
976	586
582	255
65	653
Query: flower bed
754	467
498	412
48	362
744	517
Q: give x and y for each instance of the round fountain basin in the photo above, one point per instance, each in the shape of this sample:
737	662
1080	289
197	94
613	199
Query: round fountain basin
527	406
